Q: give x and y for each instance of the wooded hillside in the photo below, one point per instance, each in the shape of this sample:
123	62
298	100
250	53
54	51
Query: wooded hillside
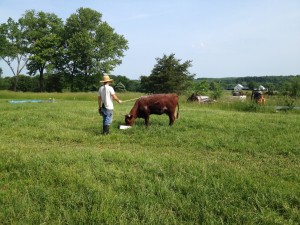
273	82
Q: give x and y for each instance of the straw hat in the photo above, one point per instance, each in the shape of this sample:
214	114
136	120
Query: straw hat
106	79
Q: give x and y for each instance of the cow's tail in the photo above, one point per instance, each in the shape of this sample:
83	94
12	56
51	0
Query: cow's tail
177	115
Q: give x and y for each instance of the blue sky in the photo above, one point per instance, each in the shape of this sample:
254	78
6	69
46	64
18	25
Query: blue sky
223	38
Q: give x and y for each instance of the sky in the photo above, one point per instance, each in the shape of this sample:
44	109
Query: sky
222	38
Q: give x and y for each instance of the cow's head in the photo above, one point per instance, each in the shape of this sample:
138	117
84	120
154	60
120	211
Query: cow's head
129	120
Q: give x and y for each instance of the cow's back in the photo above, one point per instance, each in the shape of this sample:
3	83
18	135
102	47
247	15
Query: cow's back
165	99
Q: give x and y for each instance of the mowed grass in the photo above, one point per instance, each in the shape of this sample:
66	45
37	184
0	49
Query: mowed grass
213	166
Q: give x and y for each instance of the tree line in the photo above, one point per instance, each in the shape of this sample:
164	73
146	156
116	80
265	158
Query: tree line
285	85
76	52
73	56
168	75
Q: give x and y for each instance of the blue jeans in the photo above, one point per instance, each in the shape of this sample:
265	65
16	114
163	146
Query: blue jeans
107	116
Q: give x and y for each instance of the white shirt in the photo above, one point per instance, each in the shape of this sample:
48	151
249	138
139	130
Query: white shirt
106	92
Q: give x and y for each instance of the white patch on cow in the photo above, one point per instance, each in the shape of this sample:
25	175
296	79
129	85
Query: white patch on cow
146	108
164	108
241	97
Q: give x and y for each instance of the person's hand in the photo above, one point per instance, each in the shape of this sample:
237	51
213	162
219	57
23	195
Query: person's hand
120	101
100	111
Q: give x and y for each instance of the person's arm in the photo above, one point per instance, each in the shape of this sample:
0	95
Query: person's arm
99	105
115	97
99	102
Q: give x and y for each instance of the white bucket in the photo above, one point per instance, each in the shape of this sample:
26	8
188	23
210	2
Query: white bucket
124	127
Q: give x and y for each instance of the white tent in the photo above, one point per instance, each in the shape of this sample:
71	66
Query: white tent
261	88
238	87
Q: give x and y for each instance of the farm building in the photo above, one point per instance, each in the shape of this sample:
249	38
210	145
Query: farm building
261	88
238	87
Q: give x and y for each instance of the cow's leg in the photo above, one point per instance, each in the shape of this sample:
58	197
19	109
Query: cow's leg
147	121
172	118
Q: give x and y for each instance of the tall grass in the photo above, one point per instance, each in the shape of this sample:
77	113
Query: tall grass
213	166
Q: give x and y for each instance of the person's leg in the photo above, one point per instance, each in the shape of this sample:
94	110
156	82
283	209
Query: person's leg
107	119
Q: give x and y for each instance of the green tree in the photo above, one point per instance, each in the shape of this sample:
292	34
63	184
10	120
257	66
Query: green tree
285	88
216	90
252	85
13	47
91	47
270	86
119	87
54	82
295	87
4	83
167	76
202	87
43	32
121	79
26	83
134	85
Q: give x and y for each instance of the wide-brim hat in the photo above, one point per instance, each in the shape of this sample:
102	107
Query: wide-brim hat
106	79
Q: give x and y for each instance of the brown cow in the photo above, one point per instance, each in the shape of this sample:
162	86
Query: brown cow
154	104
257	97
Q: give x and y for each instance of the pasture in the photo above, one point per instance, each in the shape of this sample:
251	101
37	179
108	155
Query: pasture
224	163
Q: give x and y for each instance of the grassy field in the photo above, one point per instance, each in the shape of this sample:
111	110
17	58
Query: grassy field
218	164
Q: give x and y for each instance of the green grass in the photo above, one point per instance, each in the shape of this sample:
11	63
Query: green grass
216	165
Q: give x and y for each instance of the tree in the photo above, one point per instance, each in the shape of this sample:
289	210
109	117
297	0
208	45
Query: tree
121	79
167	76
13	47
285	88
270	86
54	82
252	85
26	83
43	32
216	89
4	83
120	87
91	47
295	87
202	87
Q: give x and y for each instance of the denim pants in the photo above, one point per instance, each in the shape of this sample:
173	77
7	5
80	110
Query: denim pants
107	116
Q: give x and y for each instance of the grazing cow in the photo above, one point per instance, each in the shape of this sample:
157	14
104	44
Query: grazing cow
153	104
241	98
258	97
198	98
261	100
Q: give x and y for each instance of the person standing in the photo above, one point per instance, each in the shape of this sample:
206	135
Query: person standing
106	95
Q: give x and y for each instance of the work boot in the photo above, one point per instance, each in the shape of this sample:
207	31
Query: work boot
105	129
